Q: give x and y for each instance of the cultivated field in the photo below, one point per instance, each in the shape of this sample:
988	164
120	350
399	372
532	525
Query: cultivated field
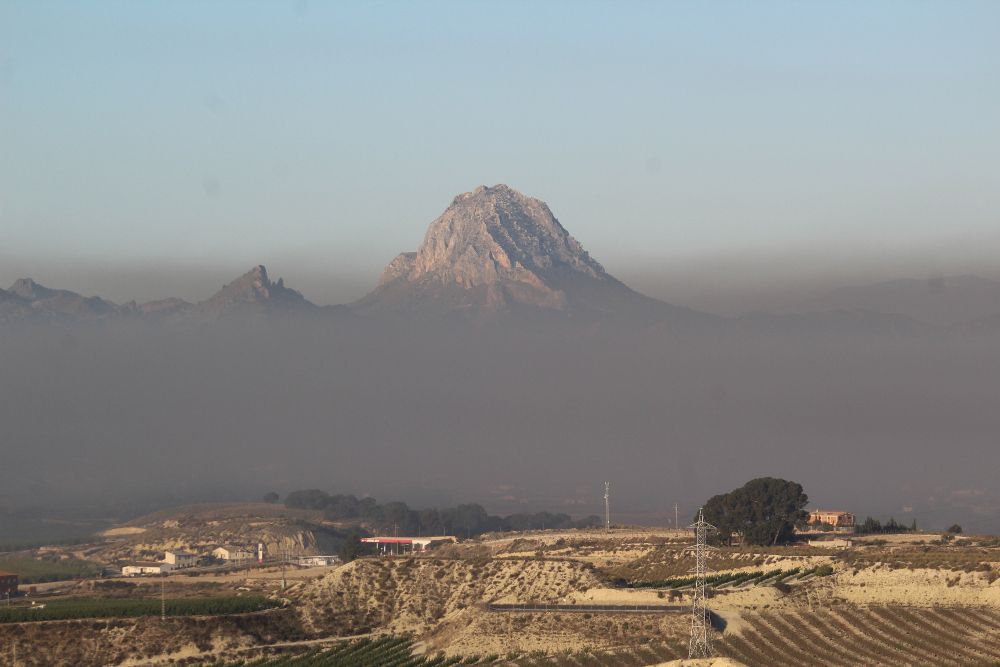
565	598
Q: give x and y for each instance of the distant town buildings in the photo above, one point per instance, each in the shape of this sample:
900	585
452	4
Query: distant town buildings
146	567
837	519
180	558
8	584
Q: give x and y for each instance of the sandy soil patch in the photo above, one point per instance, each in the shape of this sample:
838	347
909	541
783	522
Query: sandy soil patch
122	531
701	662
917	587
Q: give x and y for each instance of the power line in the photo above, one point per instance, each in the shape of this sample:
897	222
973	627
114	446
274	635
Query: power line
699	646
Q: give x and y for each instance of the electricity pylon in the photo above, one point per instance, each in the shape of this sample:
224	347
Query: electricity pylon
607	507
699	646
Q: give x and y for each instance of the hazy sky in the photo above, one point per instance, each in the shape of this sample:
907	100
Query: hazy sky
321	138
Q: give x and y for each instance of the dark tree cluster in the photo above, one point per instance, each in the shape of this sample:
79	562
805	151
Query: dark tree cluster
872	526
467	520
764	511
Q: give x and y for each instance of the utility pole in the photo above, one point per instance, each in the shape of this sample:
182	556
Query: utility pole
607	507
677	521
163	599
699	646
284	560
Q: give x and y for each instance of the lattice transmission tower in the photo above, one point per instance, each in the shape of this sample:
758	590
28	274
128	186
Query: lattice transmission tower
699	646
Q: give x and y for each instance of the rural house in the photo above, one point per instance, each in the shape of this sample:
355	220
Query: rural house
145	567
838	519
232	553
180	558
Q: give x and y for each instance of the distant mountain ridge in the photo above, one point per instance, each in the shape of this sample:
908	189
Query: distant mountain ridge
28	298
938	301
496	252
254	290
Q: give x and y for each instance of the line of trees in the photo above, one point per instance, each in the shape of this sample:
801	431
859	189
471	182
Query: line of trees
467	520
764	511
872	526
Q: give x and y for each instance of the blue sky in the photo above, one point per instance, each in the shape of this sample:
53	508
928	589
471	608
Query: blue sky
330	134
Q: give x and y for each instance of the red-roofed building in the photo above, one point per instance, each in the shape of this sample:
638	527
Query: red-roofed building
839	520
8	584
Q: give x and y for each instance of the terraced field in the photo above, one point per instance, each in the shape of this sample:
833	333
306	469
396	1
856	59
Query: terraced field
397	652
384	652
848	636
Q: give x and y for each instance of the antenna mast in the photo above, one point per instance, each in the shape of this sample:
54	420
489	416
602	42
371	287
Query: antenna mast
699	646
607	507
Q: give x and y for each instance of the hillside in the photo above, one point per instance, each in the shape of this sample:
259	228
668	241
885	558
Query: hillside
200	528
915	599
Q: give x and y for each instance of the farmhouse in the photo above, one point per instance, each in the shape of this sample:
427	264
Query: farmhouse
146	567
180	558
838	519
8	584
232	553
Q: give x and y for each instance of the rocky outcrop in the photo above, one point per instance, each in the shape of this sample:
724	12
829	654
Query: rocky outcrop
254	289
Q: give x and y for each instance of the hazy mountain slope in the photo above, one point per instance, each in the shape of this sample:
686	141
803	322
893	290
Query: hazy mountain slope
61	302
13	307
832	323
940	301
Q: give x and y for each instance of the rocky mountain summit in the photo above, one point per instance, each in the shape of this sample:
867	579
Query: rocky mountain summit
255	289
495	249
496	252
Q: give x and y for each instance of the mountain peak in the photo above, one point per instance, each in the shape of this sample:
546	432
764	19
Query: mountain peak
494	248
26	288
493	234
254	287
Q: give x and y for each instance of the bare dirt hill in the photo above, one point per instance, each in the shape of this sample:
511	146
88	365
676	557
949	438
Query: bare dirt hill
201	528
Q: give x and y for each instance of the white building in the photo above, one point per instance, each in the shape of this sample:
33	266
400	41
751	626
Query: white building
232	553
180	558
316	561
146	567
